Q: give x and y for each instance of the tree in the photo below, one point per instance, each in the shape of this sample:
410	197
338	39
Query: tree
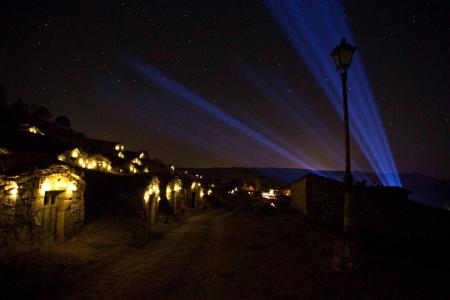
19	105
42	112
63	121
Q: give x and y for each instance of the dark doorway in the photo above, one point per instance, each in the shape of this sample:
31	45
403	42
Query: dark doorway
193	199
49	214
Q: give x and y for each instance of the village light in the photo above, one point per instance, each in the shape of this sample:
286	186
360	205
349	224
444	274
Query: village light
12	189
177	187
75	153
35	130
119	147
137	161
57	182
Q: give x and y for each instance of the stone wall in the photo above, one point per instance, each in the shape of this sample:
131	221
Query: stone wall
298	196
320	198
21	214
383	212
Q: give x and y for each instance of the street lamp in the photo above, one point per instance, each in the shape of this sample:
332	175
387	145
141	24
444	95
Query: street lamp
342	56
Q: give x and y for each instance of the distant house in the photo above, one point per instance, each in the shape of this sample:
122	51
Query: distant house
31	129
176	194
43	204
319	198
377	211
322	199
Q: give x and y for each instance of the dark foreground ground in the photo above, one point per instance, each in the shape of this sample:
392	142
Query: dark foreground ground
227	253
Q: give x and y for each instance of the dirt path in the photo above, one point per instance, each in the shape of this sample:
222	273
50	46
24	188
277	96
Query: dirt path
162	269
215	255
232	254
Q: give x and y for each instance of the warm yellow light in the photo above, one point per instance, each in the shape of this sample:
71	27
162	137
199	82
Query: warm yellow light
172	167
142	155
46	186
92	164
168	192
202	193
209	192
72	187
61	157
177	186
81	161
12	189
132	169
121	155
152	189
75	153
35	130
137	161
146	197
146	170
269	195
57	182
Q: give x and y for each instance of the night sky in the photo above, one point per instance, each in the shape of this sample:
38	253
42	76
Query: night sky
72	56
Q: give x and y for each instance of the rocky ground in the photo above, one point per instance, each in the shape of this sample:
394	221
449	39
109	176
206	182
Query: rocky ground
234	252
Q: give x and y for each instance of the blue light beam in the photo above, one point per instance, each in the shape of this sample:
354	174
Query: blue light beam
314	28
179	90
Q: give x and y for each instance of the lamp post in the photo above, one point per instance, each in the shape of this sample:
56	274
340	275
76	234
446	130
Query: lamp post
342	56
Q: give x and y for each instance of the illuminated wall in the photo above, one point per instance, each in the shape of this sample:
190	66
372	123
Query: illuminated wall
25	206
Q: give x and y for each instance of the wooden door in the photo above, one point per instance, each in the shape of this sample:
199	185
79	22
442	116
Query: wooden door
49	214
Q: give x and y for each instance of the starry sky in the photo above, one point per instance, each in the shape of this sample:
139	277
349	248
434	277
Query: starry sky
71	57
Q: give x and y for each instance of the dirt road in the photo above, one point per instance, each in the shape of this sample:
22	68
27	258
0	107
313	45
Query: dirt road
234	254
221	254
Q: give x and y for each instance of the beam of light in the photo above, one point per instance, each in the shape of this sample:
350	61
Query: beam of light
198	101
181	125
314	28
283	98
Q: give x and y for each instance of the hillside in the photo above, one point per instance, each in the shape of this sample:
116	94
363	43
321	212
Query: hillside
424	189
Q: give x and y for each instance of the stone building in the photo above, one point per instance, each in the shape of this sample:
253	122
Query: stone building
43	204
176	195
377	211
319	198
150	200
195	195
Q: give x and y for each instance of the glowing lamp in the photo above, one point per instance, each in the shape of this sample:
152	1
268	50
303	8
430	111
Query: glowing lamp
342	55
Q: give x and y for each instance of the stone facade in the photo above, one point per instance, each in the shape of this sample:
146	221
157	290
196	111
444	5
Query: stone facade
176	195
42	204
319	198
381	212
194	195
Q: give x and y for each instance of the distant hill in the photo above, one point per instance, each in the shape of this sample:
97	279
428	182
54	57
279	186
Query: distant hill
424	189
